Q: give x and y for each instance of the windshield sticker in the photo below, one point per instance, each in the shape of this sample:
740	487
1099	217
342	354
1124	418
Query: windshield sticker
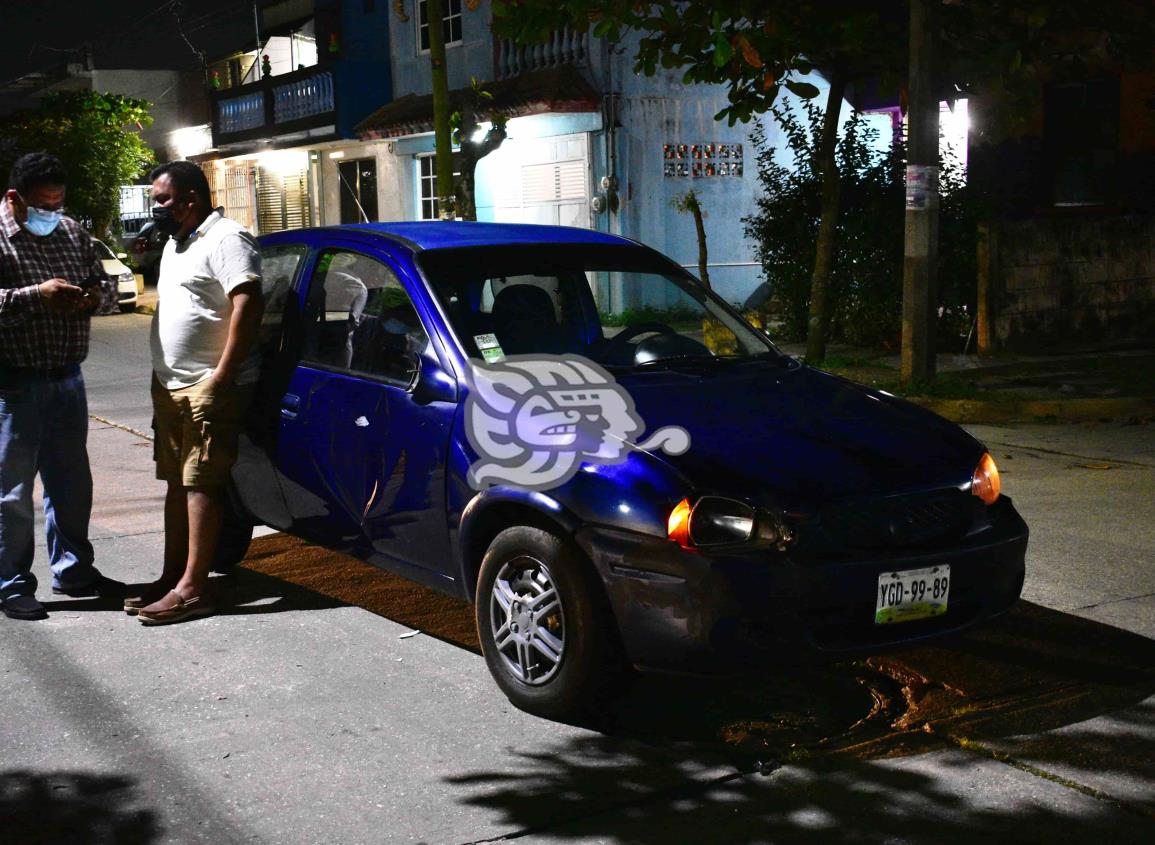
534	420
489	347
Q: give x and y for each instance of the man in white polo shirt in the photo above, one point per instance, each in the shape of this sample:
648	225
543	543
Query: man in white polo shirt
204	365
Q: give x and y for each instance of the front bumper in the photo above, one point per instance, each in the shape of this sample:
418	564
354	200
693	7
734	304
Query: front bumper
682	611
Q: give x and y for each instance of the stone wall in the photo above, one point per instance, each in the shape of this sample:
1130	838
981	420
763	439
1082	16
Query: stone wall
1061	282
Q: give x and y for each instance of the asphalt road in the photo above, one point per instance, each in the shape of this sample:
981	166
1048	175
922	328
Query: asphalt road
296	717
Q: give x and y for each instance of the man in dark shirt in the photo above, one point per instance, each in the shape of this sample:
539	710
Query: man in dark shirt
45	308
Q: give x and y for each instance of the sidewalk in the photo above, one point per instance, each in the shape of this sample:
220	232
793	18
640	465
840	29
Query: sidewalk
1090	385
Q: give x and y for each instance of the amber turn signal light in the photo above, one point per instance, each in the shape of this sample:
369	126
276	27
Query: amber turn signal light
678	525
985	482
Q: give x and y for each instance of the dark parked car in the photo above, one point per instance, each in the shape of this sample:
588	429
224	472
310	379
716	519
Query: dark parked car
809	517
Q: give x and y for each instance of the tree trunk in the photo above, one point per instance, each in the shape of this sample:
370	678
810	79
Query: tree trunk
443	139
703	264
828	221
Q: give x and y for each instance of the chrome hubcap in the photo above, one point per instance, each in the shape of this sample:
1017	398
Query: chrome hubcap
527	620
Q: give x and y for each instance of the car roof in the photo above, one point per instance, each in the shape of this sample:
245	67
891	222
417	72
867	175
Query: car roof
450	234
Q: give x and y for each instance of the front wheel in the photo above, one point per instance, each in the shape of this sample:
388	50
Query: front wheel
545	627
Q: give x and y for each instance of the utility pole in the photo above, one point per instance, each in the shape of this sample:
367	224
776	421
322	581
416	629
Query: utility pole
443	139
920	264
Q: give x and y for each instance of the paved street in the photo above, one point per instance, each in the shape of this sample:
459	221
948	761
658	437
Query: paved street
297	717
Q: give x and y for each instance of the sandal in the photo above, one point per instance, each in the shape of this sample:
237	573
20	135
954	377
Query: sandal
180	611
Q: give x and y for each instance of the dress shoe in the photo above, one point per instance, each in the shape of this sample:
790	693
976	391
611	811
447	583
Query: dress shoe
24	607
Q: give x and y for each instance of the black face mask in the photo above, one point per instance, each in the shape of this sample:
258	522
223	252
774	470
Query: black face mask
165	222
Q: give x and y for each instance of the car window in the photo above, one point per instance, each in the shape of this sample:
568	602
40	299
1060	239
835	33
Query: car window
619	306
361	320
279	267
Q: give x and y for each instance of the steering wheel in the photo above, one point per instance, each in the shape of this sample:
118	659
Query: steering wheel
618	341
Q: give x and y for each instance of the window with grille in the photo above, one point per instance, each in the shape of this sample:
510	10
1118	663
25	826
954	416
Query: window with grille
428	207
451	23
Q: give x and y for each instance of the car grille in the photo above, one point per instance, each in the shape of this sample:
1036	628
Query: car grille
900	521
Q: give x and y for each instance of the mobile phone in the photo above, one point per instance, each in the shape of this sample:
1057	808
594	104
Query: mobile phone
93	280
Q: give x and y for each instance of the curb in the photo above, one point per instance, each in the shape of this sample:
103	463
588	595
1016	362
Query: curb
1040	410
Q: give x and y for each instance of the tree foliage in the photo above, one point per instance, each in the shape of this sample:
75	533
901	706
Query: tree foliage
753	48
97	136
866	278
474	143
756	48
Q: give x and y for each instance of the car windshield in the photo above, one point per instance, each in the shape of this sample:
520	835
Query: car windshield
621	306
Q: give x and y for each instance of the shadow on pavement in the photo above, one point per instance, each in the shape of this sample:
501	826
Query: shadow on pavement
73	807
592	788
1033	670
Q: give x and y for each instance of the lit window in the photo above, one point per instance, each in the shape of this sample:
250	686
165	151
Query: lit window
427	186
451	27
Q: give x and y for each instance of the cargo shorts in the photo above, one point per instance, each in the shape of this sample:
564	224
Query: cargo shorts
196	431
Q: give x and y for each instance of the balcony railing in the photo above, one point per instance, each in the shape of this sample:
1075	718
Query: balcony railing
303	96
564	47
237	114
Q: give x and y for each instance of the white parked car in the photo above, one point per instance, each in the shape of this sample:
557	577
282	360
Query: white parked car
128	286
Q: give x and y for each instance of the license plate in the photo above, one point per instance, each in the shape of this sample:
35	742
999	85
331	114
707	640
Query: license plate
911	594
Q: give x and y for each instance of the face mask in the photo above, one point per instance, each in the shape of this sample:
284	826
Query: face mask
165	222
42	223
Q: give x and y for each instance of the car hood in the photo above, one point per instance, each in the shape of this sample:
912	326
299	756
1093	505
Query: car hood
803	437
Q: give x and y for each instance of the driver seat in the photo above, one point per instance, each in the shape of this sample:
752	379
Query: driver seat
525	322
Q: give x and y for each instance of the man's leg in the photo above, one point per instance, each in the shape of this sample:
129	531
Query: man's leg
19	447
205	509
67	479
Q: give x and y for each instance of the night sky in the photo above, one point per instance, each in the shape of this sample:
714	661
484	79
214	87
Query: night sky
122	33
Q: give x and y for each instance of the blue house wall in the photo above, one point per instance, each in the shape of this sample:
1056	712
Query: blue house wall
362	74
649	114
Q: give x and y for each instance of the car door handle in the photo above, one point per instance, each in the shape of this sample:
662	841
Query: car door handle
290	405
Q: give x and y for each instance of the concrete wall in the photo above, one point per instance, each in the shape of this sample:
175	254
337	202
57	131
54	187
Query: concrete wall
1062	282
177	97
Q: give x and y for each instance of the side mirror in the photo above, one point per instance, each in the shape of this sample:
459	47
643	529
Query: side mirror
122	255
433	384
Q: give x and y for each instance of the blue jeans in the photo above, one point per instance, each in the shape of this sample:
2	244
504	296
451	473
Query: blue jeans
44	429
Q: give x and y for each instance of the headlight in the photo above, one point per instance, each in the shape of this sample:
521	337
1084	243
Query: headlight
715	522
985	482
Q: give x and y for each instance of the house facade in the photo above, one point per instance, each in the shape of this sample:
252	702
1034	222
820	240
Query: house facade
286	100
328	119
590	143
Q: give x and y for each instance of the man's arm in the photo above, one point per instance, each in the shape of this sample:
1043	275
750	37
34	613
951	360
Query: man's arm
245	323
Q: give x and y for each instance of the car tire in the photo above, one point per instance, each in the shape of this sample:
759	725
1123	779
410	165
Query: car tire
127	308
235	537
558	654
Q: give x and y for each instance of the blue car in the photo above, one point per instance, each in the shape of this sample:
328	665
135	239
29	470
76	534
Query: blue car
567	429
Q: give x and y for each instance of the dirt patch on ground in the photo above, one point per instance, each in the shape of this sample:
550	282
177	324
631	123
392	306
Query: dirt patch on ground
353	582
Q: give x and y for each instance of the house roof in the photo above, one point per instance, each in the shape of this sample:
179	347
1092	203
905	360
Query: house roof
552	90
